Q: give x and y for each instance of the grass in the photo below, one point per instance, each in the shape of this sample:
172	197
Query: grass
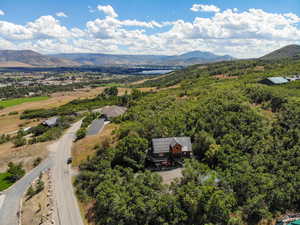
4	182
18	101
86	147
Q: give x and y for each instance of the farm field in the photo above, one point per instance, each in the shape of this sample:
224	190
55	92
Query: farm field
18	101
4	183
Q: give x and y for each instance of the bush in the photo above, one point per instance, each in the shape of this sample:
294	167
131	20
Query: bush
19	141
16	171
81	133
13	113
37	161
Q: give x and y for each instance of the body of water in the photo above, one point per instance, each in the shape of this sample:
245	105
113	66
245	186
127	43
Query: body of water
153	72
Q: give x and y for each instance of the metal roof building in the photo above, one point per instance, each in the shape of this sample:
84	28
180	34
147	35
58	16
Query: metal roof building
276	80
51	122
162	145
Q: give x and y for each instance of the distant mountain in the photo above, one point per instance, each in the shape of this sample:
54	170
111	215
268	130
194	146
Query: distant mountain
290	51
28	58
190	58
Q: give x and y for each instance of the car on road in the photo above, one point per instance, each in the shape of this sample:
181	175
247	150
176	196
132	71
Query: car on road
69	161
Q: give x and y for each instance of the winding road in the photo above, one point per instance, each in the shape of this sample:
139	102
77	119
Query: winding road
66	206
12	197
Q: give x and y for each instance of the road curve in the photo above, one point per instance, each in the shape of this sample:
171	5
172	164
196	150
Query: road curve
68	212
11	203
67	209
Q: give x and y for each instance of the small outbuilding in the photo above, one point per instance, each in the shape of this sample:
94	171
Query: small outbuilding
169	152
275	81
52	122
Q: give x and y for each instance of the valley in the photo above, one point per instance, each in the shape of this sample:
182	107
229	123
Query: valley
242	132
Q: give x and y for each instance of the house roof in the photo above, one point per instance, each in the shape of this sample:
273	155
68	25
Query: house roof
277	80
161	145
113	111
51	122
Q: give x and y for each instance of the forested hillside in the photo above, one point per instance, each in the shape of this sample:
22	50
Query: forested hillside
245	138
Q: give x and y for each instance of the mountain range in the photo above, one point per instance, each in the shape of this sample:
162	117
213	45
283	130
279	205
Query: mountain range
190	58
28	58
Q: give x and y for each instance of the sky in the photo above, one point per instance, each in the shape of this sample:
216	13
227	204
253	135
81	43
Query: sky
243	29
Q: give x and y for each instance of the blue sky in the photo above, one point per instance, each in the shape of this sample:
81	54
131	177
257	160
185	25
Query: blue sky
149	26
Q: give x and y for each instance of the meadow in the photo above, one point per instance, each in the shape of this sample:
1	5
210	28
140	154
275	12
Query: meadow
18	101
4	182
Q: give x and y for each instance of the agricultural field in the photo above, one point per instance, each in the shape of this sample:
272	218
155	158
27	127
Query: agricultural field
18	101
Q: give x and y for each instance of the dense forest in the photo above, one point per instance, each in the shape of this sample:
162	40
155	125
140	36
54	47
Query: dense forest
246	144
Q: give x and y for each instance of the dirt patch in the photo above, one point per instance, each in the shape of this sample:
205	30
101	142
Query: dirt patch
170	87
12	123
25	154
144	80
39	209
259	68
86	147
170	175
223	76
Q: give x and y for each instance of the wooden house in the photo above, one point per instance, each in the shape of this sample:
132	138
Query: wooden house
170	152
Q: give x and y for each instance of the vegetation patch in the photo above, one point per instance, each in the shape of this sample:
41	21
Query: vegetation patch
4	181
18	101
246	165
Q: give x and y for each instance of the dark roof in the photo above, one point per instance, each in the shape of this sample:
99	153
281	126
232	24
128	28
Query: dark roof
161	145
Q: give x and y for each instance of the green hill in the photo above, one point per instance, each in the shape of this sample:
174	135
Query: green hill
246	143
290	51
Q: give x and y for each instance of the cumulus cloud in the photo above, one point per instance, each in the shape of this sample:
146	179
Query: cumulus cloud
245	34
108	10
2	13
61	14
205	8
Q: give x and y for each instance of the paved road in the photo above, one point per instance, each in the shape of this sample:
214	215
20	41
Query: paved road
11	199
95	127
68	212
67	208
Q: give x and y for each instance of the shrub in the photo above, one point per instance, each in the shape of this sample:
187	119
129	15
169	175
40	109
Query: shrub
80	133
19	141
16	171
37	161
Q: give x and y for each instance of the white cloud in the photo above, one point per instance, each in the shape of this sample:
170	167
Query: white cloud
108	10
249	33
47	27
205	8
61	14
2	13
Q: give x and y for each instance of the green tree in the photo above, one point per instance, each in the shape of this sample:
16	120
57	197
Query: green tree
19	141
132	152
111	91
16	171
